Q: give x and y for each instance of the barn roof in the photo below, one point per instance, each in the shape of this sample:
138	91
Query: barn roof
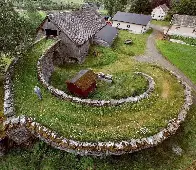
108	34
164	7
84	79
79	25
184	20
132	18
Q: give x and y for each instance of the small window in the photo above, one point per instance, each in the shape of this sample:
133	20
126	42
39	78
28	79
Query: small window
118	24
48	20
128	26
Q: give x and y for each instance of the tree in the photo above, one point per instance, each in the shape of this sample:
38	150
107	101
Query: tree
16	33
140	6
114	5
184	7
155	3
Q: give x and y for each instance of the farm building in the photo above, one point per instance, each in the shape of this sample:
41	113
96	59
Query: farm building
106	36
83	83
76	31
183	25
135	23
160	12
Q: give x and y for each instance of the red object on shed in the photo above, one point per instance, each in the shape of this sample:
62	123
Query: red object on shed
83	83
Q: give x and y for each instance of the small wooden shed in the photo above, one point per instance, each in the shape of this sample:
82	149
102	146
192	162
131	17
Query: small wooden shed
83	83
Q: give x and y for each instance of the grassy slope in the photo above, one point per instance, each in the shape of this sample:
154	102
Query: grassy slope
90	123
183	56
161	23
44	157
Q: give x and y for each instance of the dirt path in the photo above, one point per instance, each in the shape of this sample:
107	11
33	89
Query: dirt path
152	55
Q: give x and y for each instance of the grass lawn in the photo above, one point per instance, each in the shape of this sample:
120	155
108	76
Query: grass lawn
183	56
161	23
82	122
43	157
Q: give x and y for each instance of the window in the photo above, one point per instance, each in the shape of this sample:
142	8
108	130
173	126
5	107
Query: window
153	15
50	32
48	20
128	26
118	24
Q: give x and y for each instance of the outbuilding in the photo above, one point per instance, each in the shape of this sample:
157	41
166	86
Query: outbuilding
182	25
83	83
135	23
106	36
160	12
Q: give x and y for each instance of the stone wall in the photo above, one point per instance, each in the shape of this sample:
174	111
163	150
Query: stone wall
100	148
45	68
20	129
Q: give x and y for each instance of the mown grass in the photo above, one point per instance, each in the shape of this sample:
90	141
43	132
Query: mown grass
183	56
43	157
82	122
161	23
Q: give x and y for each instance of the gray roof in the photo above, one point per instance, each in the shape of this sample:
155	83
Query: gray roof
164	7
79	25
108	34
132	18
184	20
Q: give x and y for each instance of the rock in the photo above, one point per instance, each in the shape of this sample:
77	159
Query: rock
177	150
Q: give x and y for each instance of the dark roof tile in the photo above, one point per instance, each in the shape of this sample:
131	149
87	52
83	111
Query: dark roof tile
132	18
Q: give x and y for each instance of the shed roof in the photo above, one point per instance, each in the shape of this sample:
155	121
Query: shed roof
79	25
108	34
184	20
132	18
84	79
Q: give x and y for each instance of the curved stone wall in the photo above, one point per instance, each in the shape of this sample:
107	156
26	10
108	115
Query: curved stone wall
45	69
87	148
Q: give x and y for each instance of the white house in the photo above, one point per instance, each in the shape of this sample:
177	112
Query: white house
160	12
183	25
135	23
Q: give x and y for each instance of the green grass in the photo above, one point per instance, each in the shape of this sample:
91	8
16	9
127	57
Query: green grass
161	23
82	122
124	83
183	56
137	48
43	157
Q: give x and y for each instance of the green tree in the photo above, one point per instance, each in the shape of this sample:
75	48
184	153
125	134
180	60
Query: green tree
140	6
184	7
114	5
16	33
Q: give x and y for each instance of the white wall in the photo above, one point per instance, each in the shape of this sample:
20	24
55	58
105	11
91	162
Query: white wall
137	29
182	31
158	14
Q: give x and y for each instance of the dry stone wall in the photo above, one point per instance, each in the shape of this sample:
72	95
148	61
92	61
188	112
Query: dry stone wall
45	68
20	128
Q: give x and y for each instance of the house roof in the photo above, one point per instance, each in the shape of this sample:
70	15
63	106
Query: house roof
79	25
84	79
164	7
184	20
132	18
108	34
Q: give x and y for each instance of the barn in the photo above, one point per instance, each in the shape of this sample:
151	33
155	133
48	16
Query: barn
75	30
83	83
135	23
